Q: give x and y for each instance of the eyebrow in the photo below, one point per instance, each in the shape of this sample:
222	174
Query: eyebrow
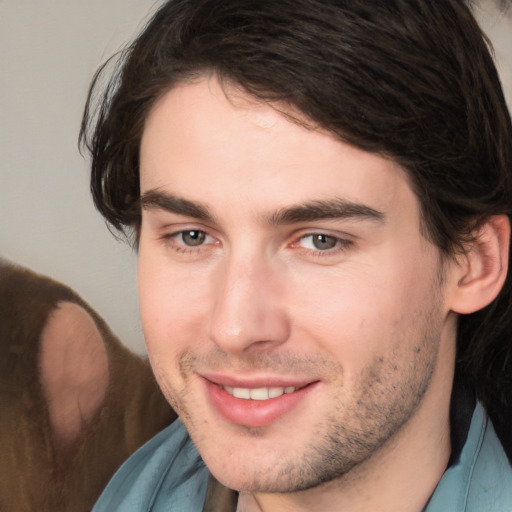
157	200
335	208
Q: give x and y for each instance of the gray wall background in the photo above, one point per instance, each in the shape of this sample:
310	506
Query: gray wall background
49	51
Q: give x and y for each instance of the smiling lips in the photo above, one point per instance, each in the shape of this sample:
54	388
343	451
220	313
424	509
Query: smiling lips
255	406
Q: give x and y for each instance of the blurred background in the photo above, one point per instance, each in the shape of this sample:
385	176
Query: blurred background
50	50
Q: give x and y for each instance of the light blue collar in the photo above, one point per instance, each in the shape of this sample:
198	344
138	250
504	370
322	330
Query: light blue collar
481	480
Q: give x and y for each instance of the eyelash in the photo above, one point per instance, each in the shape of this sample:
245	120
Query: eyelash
340	246
170	240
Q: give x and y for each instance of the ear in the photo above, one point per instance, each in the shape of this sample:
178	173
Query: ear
73	370
482	269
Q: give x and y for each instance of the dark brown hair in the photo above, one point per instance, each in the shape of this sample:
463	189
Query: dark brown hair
413	80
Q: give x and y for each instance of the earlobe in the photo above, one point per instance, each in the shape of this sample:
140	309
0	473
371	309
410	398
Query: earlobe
483	267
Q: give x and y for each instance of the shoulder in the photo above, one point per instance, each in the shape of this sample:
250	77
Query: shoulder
168	467
481	480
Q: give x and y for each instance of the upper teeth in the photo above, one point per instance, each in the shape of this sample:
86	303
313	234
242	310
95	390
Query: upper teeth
259	393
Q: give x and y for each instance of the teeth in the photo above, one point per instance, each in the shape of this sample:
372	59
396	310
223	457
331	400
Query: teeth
242	393
259	393
275	392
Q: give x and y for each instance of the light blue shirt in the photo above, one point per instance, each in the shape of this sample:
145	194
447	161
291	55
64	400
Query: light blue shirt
167	474
481	480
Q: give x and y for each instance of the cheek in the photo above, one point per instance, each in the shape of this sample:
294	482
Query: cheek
359	314
171	304
169	315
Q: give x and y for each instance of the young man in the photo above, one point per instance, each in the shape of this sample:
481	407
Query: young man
320	194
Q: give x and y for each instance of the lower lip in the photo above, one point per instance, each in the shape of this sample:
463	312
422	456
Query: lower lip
254	413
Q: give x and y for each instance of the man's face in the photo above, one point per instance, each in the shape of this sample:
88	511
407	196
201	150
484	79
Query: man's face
294	315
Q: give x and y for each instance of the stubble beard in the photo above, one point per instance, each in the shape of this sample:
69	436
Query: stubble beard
386	398
347	439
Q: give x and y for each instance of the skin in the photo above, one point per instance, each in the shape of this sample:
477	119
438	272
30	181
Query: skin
234	287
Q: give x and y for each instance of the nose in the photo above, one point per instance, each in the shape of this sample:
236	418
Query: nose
249	311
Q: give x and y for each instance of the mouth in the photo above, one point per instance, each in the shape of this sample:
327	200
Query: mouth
256	403
260	393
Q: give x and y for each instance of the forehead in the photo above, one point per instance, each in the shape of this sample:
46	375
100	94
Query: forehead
210	144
